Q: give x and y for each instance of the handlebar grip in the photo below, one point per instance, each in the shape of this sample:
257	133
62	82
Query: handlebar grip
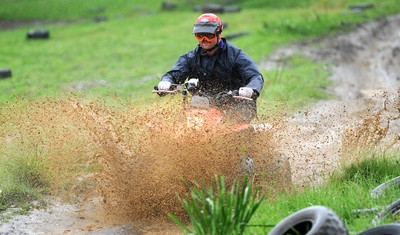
241	97
161	94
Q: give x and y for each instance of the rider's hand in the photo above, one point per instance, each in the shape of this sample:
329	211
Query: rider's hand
246	92
164	85
193	82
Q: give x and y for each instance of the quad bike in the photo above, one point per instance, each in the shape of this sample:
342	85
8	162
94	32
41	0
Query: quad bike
208	116
212	113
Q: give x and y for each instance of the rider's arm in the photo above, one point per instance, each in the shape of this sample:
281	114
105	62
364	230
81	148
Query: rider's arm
180	71
248	69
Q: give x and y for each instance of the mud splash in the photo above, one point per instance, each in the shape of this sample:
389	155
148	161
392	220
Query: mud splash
377	132
126	162
143	164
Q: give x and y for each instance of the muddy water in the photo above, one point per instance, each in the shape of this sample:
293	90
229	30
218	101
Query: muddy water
145	154
124	164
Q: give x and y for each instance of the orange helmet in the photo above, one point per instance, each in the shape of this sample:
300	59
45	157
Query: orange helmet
208	23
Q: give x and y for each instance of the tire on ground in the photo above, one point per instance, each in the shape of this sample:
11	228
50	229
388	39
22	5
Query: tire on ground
5	73
314	220
388	229
376	192
38	34
392	209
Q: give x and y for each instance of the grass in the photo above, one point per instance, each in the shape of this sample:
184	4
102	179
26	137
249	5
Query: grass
212	210
73	9
23	180
345	191
294	84
127	54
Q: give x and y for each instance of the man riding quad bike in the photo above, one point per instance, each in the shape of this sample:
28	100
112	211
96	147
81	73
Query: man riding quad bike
224	84
218	68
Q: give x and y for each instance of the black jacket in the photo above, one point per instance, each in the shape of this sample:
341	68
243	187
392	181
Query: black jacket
228	69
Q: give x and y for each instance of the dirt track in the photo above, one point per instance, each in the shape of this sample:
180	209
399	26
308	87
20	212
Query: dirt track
365	67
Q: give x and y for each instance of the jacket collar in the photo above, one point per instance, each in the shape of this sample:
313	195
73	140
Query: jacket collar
221	47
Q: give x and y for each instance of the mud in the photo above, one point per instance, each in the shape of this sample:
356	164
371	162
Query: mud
121	166
364	116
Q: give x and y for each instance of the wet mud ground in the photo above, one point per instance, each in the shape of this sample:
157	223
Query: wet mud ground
133	163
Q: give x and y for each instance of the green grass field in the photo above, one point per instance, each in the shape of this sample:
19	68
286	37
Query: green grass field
124	56
127	54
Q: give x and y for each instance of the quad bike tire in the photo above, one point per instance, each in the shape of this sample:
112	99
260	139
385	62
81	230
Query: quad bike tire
313	220
387	229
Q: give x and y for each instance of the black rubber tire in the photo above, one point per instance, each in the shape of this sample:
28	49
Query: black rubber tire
376	192
212	8
387	229
38	34
236	35
5	73
168	6
314	220
392	209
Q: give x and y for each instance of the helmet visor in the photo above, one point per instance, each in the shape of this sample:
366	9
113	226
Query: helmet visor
204	29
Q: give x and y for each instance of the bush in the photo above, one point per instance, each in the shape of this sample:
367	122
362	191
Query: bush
22	180
213	210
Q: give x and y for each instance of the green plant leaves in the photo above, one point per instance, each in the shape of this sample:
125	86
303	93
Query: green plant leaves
214	210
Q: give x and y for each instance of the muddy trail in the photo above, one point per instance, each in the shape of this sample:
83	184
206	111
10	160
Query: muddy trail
364	115
118	168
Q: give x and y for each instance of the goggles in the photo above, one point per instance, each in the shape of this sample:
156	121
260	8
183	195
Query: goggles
209	37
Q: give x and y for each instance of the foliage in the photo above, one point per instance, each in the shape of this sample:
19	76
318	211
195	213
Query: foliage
294	83
23	179
214	210
346	190
374	169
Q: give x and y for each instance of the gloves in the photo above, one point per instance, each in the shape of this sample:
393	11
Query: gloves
164	85
246	92
191	84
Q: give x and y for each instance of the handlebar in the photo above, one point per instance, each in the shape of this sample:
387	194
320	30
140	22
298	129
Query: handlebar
241	97
176	88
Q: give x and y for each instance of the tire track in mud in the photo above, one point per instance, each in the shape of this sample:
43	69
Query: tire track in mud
137	171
